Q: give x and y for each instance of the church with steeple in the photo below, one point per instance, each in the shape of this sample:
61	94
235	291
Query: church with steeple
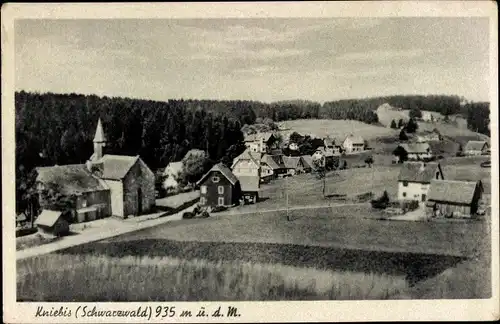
106	185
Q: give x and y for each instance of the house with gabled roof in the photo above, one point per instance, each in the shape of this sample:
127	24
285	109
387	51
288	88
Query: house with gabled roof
353	143
414	179
105	185
476	148
417	151
247	163
261	142
219	187
307	162
293	164
449	198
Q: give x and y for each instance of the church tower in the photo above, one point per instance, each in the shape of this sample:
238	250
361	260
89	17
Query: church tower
99	142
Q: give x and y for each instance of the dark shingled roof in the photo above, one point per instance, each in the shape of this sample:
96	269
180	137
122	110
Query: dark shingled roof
307	161
452	191
416	147
116	167
474	145
248	154
413	172
270	161
226	172
249	183
291	162
70	179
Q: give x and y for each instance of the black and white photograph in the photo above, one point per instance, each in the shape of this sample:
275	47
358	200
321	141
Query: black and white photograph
247	158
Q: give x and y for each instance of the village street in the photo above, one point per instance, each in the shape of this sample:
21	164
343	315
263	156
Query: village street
110	228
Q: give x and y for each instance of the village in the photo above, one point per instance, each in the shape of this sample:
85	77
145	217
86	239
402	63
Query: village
124	187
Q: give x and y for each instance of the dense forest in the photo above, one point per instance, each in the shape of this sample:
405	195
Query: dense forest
58	129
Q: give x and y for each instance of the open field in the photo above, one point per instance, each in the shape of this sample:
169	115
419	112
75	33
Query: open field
93	278
336	128
306	189
458	134
386	114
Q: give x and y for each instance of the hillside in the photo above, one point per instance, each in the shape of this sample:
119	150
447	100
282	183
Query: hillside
387	113
457	134
335	128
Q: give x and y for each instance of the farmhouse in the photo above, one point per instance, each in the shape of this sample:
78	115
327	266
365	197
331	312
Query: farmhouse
417	151
415	178
353	143
106	185
428	136
333	144
276	163
307	162
454	198
247	164
476	148
293	165
53	223
219	187
261	142
171	174
267	170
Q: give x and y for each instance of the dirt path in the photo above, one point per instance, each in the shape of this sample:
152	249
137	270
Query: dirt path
97	235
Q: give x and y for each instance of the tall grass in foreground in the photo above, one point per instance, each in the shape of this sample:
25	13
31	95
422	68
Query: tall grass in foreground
100	278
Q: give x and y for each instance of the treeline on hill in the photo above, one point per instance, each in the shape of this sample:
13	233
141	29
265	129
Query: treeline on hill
59	129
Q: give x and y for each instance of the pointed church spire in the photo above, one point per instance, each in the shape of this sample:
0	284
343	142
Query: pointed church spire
99	142
99	133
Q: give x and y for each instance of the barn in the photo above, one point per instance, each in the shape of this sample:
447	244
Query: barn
219	187
450	198
53	223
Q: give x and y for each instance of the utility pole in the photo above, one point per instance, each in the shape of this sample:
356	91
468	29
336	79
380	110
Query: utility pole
286	193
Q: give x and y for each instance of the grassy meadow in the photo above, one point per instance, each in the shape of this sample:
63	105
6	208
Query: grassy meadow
87	278
336	128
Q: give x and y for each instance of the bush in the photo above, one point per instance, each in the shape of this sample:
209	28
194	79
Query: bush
410	205
382	202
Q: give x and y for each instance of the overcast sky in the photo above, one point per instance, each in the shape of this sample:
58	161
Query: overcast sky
256	59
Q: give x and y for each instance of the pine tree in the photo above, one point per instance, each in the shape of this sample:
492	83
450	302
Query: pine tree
393	124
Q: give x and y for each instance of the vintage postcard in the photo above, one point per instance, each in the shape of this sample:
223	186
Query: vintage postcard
250	162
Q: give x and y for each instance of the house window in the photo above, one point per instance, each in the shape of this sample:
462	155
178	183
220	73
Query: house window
404	194
220	201
405	183
220	189
215	179
203	189
203	200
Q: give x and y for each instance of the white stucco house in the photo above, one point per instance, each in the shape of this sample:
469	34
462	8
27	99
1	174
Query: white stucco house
415	178
353	143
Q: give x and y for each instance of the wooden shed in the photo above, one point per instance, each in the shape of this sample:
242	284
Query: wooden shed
449	198
52	222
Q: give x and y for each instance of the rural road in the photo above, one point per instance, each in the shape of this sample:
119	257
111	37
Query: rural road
97	235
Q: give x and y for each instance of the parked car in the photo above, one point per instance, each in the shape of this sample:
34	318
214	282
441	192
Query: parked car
198	211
